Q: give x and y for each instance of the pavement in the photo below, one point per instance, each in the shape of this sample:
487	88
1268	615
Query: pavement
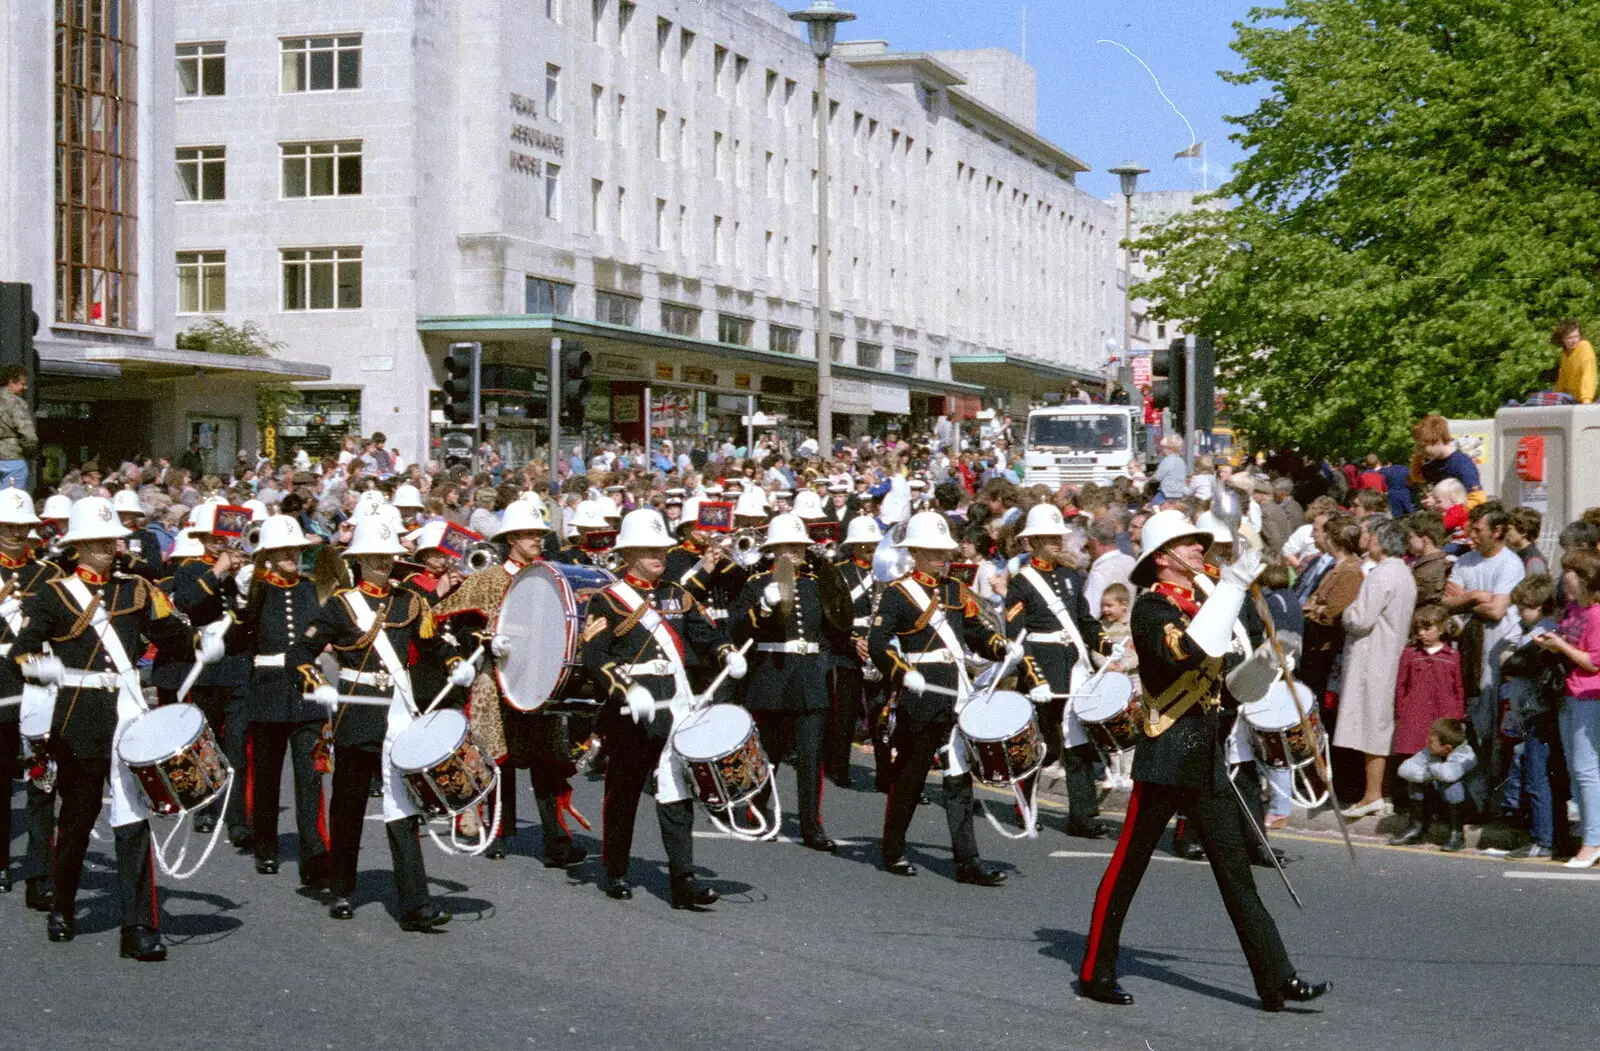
808	950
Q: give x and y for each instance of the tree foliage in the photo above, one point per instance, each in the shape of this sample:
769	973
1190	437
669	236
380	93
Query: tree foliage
1417	207
250	340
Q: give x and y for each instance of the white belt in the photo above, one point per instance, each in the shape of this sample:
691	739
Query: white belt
270	660
714	612
90	680
1057	637
660	667
797	646
381	680
861	622
940	656
5	649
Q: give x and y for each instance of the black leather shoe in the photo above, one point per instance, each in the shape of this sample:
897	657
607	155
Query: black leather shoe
204	825
1260	860
314	871
5	882
1189	852
842	782
424	918
899	867
1093	830
617	888
239	837
39	897
821	842
341	909
60	928
979	876
1456	842
267	866
562	855
1105	991
1410	835
687	894
1295	990
143	944
496	850
923	800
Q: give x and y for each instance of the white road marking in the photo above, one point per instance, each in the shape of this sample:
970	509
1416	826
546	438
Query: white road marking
781	839
1107	854
1521	874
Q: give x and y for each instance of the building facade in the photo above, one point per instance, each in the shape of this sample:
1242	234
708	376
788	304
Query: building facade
373	182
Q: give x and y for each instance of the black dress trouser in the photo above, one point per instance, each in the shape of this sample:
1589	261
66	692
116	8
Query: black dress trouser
268	744
844	689
1077	764
81	783
41	810
796	737
227	712
1214	816
919	742
634	750
353	771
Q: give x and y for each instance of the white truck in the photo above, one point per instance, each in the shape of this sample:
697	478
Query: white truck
1081	443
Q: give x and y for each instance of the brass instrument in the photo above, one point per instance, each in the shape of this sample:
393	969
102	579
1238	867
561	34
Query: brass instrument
745	548
482	555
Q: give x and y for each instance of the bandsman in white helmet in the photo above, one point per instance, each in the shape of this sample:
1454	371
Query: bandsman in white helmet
856	687
408	501
587	519
142	548
21	577
924	628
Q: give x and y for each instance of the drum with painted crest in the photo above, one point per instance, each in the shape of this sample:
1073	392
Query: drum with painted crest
174	757
445	769
1283	744
1111	713
722	752
542	614
1002	738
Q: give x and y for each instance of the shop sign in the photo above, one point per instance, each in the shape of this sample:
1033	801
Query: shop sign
664	370
852	397
697	375
626	408
618	365
741	381
889	399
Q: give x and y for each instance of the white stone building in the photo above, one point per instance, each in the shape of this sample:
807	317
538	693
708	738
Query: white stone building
372	182
86	190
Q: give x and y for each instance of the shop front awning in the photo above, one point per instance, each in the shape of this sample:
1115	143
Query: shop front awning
621	352
122	362
999	372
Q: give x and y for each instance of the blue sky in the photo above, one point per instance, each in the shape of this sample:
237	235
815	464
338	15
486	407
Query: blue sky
1095	100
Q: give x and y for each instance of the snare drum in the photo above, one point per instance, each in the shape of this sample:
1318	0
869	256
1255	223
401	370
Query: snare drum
1002	737
173	755
1282	743
445	769
542	613
1110	713
721	750
34	718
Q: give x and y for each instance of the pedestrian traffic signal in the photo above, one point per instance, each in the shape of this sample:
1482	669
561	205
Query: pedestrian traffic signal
575	363
18	325
1203	369
1166	380
461	384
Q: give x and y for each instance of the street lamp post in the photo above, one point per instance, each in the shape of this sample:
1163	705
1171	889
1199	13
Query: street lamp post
822	20
1129	171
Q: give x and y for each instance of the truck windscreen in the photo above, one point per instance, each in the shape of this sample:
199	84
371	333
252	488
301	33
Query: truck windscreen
1090	433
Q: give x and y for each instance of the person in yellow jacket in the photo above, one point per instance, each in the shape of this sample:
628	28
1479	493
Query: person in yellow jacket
1577	374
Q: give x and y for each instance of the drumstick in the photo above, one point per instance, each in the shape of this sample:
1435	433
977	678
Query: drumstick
344	698
477	655
710	691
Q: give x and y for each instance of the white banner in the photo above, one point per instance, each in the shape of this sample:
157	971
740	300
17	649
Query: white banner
891	399
852	396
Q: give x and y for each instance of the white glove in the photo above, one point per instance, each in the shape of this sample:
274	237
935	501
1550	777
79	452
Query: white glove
43	668
641	704
327	694
211	648
500	646
736	664
913	682
1244	568
463	674
770	597
1041	694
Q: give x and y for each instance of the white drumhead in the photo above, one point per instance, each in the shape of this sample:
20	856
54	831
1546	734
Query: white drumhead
996	717
535	618
1277	711
36	712
160	734
712	732
432	739
1109	698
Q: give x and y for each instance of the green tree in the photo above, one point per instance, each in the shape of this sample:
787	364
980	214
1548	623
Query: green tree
215	336
1416	208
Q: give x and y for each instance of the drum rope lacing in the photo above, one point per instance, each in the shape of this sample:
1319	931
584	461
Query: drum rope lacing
171	869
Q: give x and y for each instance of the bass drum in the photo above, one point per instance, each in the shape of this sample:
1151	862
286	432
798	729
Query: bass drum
542	614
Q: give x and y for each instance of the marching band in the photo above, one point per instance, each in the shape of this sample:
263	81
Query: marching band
703	648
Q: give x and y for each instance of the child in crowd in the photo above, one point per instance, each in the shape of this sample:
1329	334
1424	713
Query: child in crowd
1532	683
1427	689
1450	500
1115	604
1432	779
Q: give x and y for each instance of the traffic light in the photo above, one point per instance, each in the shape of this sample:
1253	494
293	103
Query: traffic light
575	362
461	384
1203	367
1166	381
18	324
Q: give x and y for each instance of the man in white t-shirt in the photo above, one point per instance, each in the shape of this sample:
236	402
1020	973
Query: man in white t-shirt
1110	565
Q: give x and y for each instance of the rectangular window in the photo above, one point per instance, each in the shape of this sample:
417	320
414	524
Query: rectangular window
321	278
738	162
719	67
552	191
663	43
321	63
597	207
869	355
202	173
623	229
661	134
202	70
616	310
321	169
734	329
836	348
738	244
789	88
661	224
96	149
685	154
685	52
622	120
597	110
772	93
202	282
719	250
719	163
625	11
769	255
598	9
783	340
771	176
552	93
905	361
543	296
552	10
741	66
680	320
685	249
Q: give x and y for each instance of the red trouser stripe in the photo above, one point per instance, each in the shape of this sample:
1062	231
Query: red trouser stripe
250	780
155	909
1108	883
322	817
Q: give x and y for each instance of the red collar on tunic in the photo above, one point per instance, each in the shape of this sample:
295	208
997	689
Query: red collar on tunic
277	580
1181	596
865	562
693	548
638	583
12	563
1040	564
89	576
925	579
375	590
